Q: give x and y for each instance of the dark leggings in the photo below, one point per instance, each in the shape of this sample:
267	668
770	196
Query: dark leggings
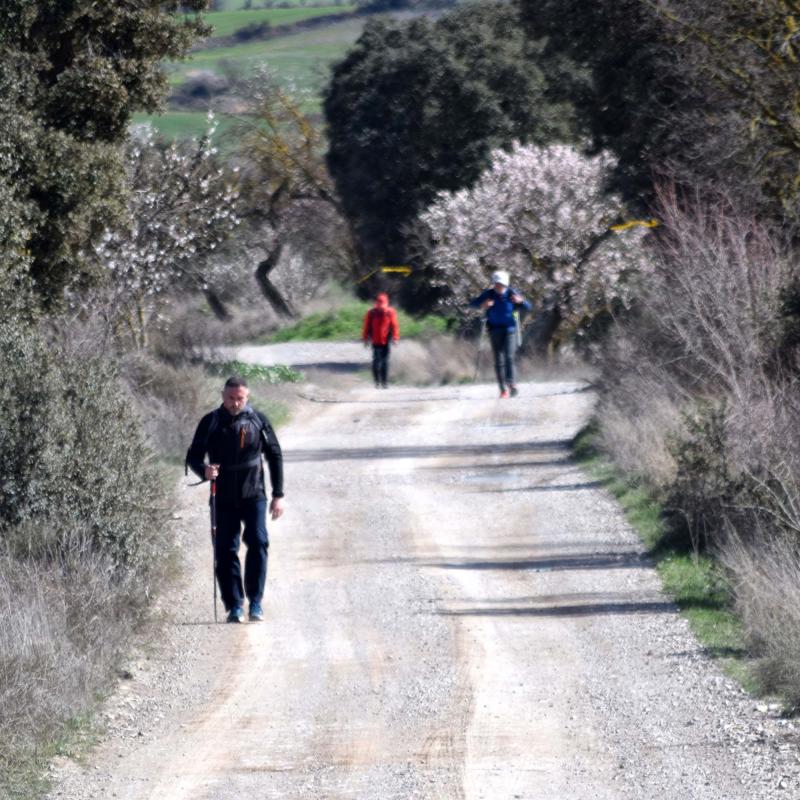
380	363
503	341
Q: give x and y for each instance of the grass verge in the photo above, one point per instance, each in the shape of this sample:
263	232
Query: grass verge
345	323
25	777
696	582
277	373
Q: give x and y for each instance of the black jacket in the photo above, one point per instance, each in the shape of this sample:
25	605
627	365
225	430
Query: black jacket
236	444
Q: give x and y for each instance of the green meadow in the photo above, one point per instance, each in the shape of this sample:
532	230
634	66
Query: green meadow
300	58
226	23
182	124
241	5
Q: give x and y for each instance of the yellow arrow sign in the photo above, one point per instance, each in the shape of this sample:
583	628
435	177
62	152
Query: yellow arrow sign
633	223
404	271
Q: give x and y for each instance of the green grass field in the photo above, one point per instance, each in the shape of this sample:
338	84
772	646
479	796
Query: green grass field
299	58
182	124
226	23
239	5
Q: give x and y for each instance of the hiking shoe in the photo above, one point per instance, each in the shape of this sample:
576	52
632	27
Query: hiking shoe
504	394
236	614
256	612
514	391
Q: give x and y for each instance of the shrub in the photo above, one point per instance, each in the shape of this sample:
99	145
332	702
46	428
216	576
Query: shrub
169	400
277	373
255	30
82	536
72	444
700	355
766	581
67	614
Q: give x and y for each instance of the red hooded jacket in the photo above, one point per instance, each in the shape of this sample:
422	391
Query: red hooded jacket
380	322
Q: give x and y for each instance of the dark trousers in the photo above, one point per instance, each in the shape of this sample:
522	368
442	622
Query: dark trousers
253	514
503	343
380	363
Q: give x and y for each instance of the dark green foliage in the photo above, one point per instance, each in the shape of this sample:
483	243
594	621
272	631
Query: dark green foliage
705	93
74	456
703	488
789	326
71	75
621	44
416	108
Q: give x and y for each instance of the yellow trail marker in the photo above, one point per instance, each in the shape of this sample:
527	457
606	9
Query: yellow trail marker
633	223
404	271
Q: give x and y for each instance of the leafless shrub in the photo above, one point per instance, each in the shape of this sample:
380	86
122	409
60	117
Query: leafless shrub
169	400
194	331
694	399
714	296
765	575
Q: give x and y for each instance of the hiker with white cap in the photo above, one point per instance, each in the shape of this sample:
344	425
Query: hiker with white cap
500	302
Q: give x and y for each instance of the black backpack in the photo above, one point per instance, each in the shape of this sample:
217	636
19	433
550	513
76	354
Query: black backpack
213	425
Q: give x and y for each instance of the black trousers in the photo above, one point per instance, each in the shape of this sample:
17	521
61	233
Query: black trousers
253	515
380	363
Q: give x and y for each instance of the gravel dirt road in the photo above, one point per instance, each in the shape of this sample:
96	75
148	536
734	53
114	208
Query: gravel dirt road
454	610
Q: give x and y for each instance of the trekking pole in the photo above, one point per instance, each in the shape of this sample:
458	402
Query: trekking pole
478	354
214	539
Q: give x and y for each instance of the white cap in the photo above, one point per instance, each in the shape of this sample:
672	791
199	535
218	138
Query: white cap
501	276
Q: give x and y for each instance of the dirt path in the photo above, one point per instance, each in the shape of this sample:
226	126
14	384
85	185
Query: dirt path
454	610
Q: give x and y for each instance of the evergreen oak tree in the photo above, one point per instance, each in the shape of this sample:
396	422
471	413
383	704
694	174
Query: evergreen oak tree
71	75
417	108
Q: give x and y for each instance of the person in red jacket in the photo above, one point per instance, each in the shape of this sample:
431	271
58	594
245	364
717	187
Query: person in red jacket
381	330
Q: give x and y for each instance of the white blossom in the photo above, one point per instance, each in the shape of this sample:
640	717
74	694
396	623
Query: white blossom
543	214
181	208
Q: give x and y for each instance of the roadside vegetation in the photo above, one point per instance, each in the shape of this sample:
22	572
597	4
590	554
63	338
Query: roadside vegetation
650	211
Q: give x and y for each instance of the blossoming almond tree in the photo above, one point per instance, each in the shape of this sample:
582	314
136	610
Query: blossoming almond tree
541	213
182	207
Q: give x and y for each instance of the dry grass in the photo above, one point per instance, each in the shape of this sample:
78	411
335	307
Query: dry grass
766	581
641	444
66	620
435	362
170	401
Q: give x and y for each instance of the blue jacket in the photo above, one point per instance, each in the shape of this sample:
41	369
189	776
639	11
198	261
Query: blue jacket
501	313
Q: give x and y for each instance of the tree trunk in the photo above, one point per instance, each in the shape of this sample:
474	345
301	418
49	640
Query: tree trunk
217	306
281	305
540	334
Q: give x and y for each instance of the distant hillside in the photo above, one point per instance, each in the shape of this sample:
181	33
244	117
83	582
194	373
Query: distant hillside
298	41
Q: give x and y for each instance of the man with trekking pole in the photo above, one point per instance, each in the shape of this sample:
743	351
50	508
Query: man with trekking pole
234	437
501	302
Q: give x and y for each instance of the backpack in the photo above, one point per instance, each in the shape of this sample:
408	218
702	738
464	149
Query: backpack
214	425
